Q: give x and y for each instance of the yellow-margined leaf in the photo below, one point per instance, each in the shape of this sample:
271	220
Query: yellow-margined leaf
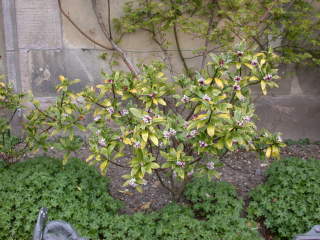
127	141
249	66
106	103
133	90
119	93
208	81
160	75
103	166
275	152
154	139
145	135
201	116
263	61
89	158
201	124
162	102
259	54
268	152
228	143
68	110
118	155
264	87
219	82
211	130
238	65
62	78
224	115
155	101
253	78
239	95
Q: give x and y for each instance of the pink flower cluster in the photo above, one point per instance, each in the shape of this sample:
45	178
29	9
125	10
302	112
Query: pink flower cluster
192	134
181	164
171	132
147	118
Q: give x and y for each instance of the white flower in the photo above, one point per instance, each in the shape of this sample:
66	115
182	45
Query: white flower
190	173
97	118
206	98
210	165
239	53
132	182
181	164
185	99
236	87
80	100
192	134
172	132
247	119
110	110
240	123
268	77
124	112
237	78
279	139
137	144
203	144
201	81
254	62
102	142
147	119
166	134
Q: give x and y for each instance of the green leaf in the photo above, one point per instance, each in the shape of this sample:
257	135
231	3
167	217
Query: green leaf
136	112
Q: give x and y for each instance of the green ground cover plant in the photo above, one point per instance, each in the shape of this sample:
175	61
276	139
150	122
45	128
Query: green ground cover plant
76	193
288	203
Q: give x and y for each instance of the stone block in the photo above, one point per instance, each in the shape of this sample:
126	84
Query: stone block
45	68
38	24
309	79
294	116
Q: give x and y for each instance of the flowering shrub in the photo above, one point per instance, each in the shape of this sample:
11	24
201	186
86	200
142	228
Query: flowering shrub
177	128
10	104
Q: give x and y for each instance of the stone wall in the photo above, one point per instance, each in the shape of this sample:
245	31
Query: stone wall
39	44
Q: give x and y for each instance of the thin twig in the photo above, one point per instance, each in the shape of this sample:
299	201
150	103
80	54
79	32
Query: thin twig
133	69
80	30
206	44
179	49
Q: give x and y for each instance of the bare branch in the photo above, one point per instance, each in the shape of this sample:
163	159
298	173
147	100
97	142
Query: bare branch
80	30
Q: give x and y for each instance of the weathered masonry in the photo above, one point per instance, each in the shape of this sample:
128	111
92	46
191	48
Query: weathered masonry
37	44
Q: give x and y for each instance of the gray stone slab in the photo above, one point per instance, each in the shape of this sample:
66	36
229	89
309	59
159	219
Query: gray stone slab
46	66
309	79
13	69
295	116
9	24
38	24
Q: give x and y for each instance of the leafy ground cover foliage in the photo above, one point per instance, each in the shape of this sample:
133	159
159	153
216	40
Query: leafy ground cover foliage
289	202
77	194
